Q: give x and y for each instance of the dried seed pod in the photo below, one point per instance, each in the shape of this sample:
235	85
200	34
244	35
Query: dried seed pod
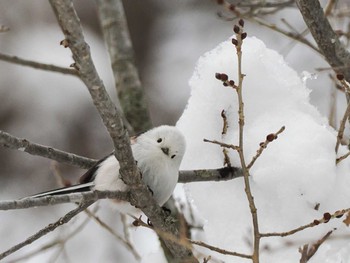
232	83
316	222
243	35
241	22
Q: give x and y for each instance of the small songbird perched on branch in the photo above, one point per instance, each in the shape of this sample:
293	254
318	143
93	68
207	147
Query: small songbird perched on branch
158	153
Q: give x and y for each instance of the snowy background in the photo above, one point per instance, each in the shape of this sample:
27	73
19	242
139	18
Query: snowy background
293	174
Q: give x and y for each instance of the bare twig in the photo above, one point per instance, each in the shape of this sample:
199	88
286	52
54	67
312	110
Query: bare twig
125	242
308	251
227	161
58	241
240	35
346	115
342	127
51	227
222	144
37	65
130	92
325	219
269	138
220	250
9	141
343	157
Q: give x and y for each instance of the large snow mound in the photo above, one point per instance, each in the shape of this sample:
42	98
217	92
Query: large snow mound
294	173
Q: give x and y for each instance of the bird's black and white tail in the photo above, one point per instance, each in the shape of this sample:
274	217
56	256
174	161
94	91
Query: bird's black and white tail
66	190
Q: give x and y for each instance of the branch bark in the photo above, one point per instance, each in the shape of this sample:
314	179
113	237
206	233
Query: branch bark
70	24
9	141
37	65
127	81
327	40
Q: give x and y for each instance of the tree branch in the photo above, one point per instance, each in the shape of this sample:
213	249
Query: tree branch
37	65
92	196
327	40
127	81
142	198
9	141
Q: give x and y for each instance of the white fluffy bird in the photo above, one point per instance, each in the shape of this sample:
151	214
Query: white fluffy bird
158	153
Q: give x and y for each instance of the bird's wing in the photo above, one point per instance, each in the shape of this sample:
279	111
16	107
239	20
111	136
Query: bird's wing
89	175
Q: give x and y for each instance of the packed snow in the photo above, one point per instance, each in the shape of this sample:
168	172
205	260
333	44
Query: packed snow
294	174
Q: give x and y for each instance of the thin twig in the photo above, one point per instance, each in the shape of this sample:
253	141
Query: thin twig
343	157
269	138
59	241
222	144
125	242
240	35
37	65
308	251
325	219
342	127
51	227
186	241
220	250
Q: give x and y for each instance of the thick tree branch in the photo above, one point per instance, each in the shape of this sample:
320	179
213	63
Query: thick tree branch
142	198
327	40
37	65
70	24
127	81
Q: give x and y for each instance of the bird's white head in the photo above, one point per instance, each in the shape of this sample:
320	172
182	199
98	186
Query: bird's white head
164	143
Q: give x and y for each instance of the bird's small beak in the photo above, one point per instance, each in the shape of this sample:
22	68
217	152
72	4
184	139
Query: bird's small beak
165	150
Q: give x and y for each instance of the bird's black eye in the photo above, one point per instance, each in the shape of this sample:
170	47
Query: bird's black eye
173	156
159	140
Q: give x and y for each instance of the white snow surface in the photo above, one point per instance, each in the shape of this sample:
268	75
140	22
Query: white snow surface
294	173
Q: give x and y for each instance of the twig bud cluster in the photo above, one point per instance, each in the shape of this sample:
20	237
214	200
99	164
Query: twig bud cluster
238	29
225	81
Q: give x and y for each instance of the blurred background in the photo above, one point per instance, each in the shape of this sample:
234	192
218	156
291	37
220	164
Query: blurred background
56	110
